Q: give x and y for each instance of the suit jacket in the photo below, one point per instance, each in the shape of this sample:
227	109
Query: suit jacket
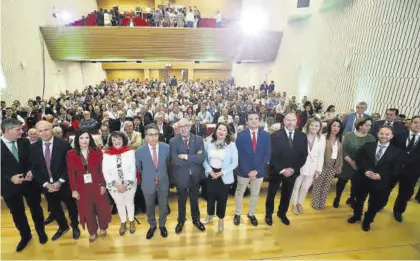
387	167
283	156
411	159
250	160
349	120
315	160
58	161
201	130
10	167
182	169
148	172
398	129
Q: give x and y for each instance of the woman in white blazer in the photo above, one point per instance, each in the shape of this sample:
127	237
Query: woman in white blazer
119	170
313	165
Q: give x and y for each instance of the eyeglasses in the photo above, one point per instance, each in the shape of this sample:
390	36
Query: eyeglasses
152	134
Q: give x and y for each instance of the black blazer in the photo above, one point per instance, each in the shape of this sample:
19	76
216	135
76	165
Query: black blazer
398	129
58	161
10	167
387	167
168	133
283	156
201	131
411	159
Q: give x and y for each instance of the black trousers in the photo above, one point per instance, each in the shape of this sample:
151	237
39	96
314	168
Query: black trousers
286	194
63	195
375	202
405	191
190	191
17	209
341	184
217	193
391	187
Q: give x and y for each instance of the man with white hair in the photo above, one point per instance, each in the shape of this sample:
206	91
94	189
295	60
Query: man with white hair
134	137
58	132
33	135
88	123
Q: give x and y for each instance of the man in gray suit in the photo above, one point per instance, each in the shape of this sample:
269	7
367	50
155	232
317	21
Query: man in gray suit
187	155
152	161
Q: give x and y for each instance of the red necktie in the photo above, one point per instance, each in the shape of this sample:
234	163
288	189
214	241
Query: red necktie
254	142
186	144
47	157
155	159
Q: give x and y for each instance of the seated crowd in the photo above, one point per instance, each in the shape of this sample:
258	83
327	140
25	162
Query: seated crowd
131	141
167	16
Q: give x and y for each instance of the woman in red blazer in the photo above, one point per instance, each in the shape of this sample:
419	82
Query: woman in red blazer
87	183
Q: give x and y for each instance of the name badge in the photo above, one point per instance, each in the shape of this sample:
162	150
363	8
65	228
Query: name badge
87	178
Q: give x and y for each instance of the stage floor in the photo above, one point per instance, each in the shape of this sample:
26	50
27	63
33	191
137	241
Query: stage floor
314	235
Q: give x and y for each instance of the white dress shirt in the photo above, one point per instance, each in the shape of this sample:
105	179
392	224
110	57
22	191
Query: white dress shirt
416	139
9	144
256	134
334	154
51	156
385	147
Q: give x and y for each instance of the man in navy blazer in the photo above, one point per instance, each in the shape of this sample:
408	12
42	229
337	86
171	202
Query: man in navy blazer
153	161
254	150
187	155
351	118
398	127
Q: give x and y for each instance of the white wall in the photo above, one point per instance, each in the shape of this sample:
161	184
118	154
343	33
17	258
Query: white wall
21	49
360	50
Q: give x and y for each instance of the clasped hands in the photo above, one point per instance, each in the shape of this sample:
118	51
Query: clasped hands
54	187
215	175
287	172
253	174
19	179
182	156
372	175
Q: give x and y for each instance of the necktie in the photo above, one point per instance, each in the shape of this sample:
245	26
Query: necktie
186	144
155	158
47	157
411	143
14	151
379	153
290	139
388	123
254	142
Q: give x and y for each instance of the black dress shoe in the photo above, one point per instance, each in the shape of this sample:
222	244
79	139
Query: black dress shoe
253	220
59	233
49	219
151	232
23	243
178	228
43	238
163	231
285	220
76	233
269	220
237	220
398	216
353	219
336	203
366	225
199	225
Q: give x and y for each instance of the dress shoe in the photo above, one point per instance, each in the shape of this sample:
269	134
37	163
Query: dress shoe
23	243
114	210
199	225
151	232
76	233
269	220
253	220
398	216
208	219
300	208
43	238
123	228
132	227
102	233
59	233
336	203
163	231
366	225
49	219
178	228
285	220
295	210
237	220
353	219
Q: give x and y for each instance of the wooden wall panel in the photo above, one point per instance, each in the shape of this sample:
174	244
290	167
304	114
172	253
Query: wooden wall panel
160	44
204	74
124	74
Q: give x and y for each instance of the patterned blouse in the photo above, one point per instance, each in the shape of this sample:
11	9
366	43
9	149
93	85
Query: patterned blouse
121	180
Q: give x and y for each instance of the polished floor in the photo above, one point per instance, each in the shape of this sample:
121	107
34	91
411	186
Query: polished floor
314	235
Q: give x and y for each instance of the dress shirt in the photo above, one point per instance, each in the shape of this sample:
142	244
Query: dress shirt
385	147
256	134
157	151
8	144
51	155
288	131
334	154
416	139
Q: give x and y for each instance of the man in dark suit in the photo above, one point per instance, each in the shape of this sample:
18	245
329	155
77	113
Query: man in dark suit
17	183
187	155
391	121
409	143
174	81
377	164
49	167
289	150
198	129
165	129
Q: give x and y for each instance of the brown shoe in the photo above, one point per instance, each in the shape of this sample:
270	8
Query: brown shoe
123	228
132	227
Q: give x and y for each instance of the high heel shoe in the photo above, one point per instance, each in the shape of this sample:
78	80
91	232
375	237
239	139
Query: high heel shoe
123	228
208	219
295	210
92	238
221	225
132	227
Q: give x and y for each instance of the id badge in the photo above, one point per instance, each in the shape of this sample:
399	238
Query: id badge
87	178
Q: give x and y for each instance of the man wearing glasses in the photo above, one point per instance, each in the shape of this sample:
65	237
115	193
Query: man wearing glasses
350	119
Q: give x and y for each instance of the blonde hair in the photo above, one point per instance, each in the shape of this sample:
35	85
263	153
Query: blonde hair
310	121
